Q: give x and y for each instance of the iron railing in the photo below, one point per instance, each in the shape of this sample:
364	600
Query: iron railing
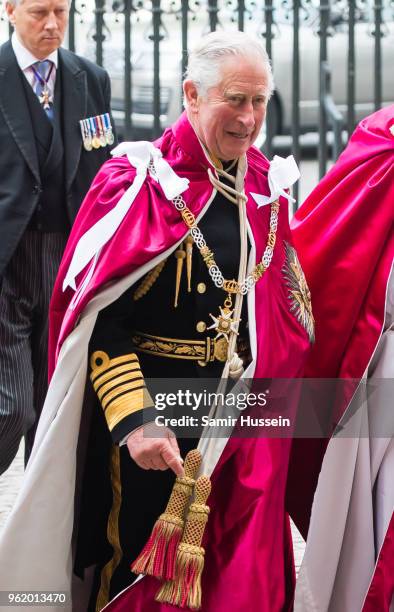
331	60
332	116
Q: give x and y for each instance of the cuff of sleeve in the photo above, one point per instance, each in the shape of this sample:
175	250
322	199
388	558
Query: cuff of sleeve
121	389
121	432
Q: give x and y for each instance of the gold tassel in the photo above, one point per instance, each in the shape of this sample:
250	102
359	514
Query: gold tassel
159	553
185	590
180	256
189	253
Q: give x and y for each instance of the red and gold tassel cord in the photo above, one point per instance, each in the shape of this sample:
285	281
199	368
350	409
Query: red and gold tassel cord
159	553
185	590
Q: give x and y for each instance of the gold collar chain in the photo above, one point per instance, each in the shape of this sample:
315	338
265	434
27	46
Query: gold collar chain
225	323
230	286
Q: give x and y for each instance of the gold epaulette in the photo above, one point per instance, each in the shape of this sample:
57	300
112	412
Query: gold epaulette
119	385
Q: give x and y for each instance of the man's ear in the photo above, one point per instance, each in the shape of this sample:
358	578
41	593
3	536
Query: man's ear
191	95
10	12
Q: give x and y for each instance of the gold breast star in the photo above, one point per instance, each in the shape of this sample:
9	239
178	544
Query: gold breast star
298	291
297	295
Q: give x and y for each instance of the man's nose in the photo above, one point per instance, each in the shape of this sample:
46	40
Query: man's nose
51	23
247	116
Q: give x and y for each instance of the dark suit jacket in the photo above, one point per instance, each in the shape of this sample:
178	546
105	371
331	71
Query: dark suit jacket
86	92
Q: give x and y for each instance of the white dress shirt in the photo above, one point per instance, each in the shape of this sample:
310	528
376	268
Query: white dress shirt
25	60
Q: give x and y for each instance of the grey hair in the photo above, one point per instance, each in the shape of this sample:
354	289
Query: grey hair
205	59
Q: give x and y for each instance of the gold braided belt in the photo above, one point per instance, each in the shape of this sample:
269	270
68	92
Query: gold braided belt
204	351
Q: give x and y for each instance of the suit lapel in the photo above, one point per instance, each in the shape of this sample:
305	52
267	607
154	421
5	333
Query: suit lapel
74	88
13	105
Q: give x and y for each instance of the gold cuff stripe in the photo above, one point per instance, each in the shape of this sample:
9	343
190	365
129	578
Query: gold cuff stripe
113	384
124	396
129	367
121	389
124	407
94	376
108	363
119	385
119	396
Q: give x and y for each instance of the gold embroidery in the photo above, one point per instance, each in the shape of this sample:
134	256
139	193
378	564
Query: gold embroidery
125	406
170	347
116	381
118	388
197	350
100	362
129	367
121	389
299	294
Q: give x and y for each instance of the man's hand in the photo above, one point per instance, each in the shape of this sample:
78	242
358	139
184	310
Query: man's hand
155	448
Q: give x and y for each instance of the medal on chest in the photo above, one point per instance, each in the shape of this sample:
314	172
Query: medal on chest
45	98
96	132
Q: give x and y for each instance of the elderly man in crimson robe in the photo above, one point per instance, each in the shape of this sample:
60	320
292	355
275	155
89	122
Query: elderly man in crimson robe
180	265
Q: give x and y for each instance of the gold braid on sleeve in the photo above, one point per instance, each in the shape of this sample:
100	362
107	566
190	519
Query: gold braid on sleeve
119	385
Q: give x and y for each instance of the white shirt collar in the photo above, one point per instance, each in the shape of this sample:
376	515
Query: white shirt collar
25	58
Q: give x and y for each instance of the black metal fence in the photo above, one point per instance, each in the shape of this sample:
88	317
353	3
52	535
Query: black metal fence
332	60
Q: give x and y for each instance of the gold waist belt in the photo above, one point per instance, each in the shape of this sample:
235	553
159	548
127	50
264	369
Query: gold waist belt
203	351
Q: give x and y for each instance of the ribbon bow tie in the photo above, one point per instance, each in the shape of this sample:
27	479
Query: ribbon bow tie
282	174
141	155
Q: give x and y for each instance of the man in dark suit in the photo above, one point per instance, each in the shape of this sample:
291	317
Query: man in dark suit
47	162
